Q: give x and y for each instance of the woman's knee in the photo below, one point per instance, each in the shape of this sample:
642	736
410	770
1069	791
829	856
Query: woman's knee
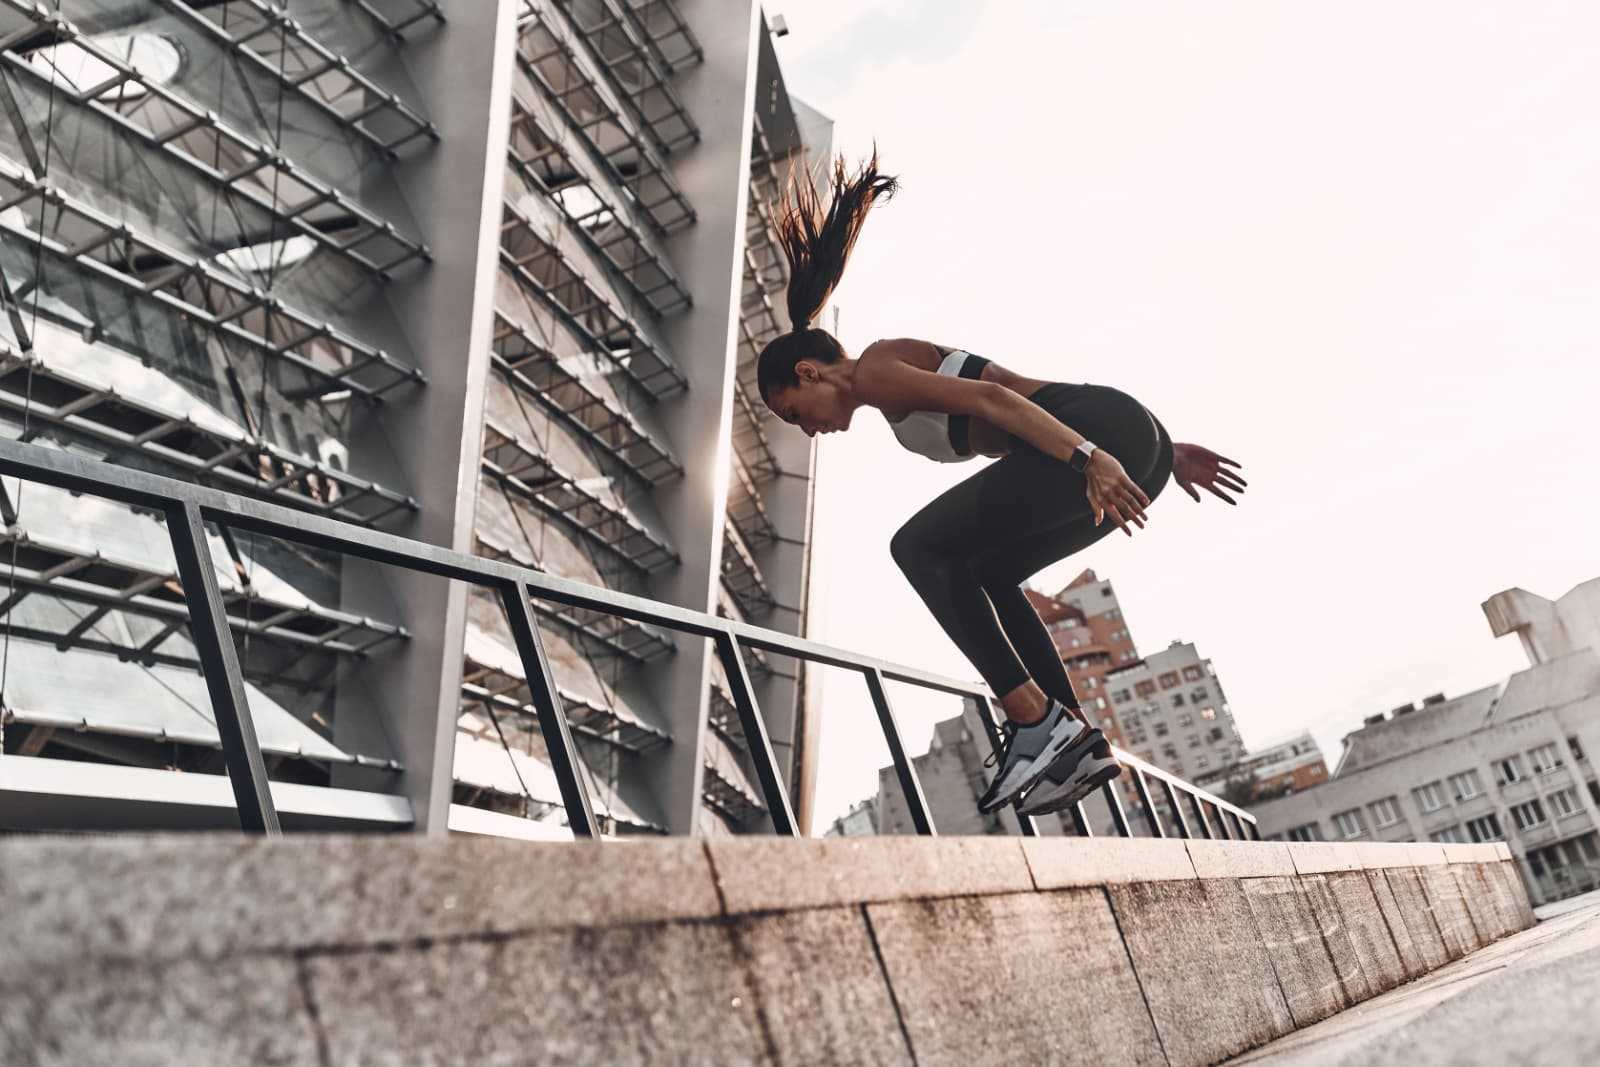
907	550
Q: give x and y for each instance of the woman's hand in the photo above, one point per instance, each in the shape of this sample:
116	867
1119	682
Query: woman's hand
1193	465
1111	490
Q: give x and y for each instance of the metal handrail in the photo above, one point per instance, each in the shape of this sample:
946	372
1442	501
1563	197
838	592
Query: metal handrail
188	507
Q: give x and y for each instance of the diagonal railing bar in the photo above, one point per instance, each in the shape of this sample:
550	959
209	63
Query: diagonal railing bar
552	717
755	734
189	506
208	625
910	785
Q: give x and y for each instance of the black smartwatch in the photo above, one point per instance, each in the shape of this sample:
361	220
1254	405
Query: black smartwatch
1080	456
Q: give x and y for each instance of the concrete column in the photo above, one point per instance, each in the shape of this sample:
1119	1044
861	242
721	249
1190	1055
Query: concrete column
708	257
429	439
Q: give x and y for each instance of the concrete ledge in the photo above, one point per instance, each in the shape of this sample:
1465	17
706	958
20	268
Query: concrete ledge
1365	924
1064	862
1240	859
1313	988
768	873
1205	971
210	895
1321	857
968	972
387	949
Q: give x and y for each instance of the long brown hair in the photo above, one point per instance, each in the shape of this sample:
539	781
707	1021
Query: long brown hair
817	244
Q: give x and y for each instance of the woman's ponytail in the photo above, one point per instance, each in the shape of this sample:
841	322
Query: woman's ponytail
817	243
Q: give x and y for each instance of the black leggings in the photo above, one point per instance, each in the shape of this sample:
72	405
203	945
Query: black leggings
968	552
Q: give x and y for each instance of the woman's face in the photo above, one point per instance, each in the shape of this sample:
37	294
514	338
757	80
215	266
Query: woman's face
814	405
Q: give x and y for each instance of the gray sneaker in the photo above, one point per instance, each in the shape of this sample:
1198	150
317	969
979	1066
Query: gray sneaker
1061	786
1027	752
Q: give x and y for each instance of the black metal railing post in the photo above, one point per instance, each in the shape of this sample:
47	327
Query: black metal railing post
910	784
755	734
1199	810
1080	822
219	662
1151	815
1176	809
1119	817
564	758
1238	826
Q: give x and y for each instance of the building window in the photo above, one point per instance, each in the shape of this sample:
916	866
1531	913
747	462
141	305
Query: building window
1186	719
1450	833
1105	590
1208	713
1544	759
1485	828
1194	740
1161	729
1191	674
1349	824
1091	683
1122	696
1144	688
1577	749
1466	785
1177	700
1385	812
1564	802
1168	679
1201	762
1528	814
1429	797
1114	614
1594	792
1169	752
1217	734
1508	770
1309	832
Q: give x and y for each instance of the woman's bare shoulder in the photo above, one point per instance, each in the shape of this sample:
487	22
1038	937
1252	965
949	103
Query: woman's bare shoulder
924	355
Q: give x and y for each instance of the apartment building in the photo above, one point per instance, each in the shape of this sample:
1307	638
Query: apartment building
1512	761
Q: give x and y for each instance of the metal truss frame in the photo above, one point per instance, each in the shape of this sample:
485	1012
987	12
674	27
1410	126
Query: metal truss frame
244	462
639	642
396	25
531	368
106	584
277	45
619	41
539	156
111	251
524	469
281	188
550	59
570	293
484	683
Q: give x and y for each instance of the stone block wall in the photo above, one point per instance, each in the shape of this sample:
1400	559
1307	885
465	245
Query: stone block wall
364	949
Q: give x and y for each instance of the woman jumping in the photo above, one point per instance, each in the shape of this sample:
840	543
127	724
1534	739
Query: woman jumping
1070	454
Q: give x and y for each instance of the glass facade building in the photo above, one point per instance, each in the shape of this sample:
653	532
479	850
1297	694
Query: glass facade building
488	275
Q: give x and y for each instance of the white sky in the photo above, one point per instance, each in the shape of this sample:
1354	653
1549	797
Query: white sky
1355	247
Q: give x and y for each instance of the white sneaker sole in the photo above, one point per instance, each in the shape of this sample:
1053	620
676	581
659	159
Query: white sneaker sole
1089	775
